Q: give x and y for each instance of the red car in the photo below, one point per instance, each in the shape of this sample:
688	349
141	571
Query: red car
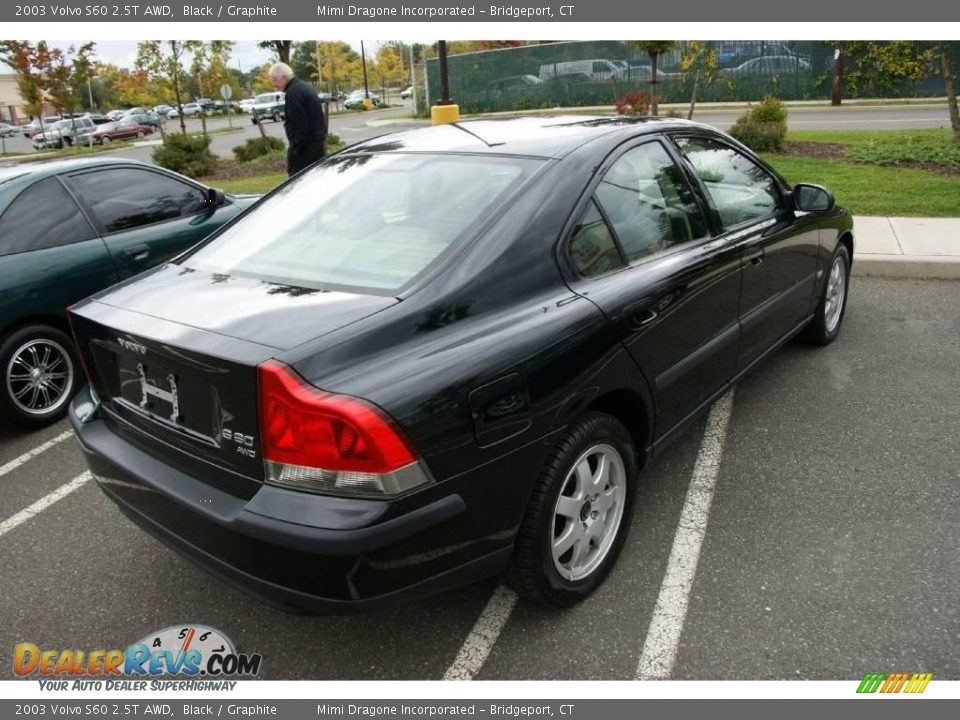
120	130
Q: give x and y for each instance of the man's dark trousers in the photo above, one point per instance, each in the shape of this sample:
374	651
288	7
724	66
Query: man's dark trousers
301	156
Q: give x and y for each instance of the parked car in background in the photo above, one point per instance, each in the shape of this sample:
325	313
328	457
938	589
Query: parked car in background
123	129
34	127
389	395
355	99
53	252
268	106
514	82
63	133
115	114
7	130
189	109
162	110
246	104
145	118
206	103
99	119
595	70
769	66
407	92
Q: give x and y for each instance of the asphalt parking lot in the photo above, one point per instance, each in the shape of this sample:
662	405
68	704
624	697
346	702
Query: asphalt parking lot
831	548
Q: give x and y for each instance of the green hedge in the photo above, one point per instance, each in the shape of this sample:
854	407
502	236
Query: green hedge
186	155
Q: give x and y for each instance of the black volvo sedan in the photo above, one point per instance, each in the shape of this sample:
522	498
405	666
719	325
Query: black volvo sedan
444	354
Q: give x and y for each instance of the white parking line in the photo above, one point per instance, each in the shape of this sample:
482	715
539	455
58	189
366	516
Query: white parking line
43	503
483	636
663	637
17	462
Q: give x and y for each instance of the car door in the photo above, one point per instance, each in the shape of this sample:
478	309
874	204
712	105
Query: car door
50	254
752	210
145	216
643	254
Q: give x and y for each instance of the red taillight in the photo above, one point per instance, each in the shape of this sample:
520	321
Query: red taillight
301	425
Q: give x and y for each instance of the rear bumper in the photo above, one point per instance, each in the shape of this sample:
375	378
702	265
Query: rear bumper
294	550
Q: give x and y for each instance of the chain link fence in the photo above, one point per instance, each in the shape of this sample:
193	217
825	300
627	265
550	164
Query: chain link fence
578	74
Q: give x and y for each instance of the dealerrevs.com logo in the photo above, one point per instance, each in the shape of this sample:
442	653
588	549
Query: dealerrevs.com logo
889	683
190	651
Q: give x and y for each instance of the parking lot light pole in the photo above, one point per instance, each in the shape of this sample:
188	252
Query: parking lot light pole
445	111
367	105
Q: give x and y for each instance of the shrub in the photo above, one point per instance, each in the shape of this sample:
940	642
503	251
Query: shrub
186	155
763	128
334	140
633	103
257	147
770	110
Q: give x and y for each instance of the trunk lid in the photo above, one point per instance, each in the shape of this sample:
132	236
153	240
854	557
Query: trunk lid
173	358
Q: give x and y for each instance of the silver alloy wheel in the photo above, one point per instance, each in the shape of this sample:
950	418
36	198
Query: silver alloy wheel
836	292
588	512
39	376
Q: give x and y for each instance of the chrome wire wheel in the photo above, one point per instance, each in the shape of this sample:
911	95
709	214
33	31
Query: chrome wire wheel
836	293
39	376
588	512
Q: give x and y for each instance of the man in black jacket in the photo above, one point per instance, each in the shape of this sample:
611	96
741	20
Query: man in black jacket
303	122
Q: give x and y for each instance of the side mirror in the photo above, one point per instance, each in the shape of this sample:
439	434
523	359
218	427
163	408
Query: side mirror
812	198
215	197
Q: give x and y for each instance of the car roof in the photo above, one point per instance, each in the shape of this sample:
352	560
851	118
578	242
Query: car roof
548	137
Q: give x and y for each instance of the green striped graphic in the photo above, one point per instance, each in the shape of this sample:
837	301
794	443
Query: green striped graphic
871	682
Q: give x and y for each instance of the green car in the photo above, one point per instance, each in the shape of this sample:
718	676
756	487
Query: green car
67	230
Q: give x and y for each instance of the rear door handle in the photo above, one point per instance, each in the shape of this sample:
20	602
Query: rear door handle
137	252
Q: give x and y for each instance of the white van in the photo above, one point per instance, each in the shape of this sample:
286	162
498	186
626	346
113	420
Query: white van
596	70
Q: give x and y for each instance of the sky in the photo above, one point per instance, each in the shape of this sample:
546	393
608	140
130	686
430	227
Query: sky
124	52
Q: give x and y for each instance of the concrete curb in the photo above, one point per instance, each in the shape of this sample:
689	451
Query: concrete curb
916	267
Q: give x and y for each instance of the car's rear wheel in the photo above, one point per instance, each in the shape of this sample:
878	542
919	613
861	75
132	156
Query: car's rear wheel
578	515
105	139
825	326
276	116
140	133
39	368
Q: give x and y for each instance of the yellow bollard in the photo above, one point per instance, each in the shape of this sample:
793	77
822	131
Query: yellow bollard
443	114
367	104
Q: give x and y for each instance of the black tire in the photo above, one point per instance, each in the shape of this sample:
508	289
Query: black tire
14	410
533	572
276	116
823	329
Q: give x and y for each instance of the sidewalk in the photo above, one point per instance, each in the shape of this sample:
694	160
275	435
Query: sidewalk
906	247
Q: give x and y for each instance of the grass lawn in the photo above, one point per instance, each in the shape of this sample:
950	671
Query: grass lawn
254	184
933	147
873	190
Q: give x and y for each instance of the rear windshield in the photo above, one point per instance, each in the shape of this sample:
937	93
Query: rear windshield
364	222
265	98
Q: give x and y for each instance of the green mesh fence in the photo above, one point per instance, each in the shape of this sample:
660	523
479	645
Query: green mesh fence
578	74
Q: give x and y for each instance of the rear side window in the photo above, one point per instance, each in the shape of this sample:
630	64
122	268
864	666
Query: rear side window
648	202
43	216
593	250
128	198
365	222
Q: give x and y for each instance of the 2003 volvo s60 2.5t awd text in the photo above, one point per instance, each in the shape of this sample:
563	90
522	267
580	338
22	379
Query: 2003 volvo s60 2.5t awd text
444	353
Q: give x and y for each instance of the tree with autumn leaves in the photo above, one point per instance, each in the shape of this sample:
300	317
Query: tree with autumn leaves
47	75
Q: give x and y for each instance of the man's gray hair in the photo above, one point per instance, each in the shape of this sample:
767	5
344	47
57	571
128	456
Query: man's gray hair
281	70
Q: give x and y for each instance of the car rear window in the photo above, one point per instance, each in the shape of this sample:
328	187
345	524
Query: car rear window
365	222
